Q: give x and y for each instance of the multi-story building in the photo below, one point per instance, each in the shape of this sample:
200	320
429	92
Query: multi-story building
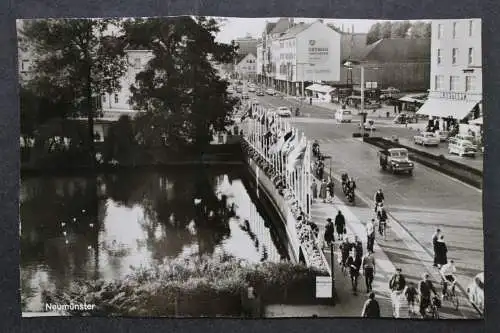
293	56
246	66
456	70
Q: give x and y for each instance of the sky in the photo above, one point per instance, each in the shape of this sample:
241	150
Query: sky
235	27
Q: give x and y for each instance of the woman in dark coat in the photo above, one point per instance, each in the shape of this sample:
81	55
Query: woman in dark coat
322	190
441	252
314	189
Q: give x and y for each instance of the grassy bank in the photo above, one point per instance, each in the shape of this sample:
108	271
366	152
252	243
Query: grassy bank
197	286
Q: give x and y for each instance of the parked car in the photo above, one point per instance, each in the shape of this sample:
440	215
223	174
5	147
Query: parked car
395	160
270	91
426	139
475	291
260	93
443	135
251	89
404	118
369	125
284	111
342	116
461	147
245	96
239	89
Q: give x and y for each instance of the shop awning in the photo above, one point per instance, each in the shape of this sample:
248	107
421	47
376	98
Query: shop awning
478	121
320	88
440	107
413	98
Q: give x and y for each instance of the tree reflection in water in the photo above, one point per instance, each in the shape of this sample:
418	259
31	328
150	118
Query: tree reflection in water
65	222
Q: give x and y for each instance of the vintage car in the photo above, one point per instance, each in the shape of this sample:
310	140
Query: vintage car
475	291
259	93
461	147
426	139
245	96
284	111
443	135
270	91
395	160
342	116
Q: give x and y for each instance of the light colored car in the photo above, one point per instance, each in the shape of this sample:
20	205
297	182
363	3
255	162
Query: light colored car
475	291
343	116
260	93
284	111
426	139
461	147
239	89
369	125
245	96
270	91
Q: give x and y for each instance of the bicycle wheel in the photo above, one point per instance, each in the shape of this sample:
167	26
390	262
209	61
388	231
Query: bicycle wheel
454	300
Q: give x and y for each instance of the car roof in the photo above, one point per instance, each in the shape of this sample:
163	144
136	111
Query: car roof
393	150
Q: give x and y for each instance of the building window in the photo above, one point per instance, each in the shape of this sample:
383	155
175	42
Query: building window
470	28
454	83
438	82
116	98
454	29
454	56
440	31
439	60
470	83
470	56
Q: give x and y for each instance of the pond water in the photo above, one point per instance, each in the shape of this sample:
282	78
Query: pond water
84	228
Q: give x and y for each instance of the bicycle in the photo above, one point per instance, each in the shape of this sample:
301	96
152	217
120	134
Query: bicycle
383	227
433	308
450	294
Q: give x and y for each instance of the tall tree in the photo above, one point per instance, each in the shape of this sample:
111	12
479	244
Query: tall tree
399	29
76	61
385	30
186	101
420	30
374	33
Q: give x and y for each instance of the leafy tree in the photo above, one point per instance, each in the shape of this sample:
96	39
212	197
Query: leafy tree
120	140
400	29
374	33
184	99
385	30
420	30
76	61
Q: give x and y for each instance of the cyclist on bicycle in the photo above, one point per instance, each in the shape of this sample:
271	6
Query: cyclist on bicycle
425	287
447	276
378	198
345	179
411	296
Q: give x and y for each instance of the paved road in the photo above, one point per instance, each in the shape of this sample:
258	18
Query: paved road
384	127
419	203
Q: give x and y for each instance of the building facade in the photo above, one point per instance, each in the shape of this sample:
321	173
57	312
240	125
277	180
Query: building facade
246	66
456	70
292	56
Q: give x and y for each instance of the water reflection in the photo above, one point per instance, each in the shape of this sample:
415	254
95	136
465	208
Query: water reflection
100	227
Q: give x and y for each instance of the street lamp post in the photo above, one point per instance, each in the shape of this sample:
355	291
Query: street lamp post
350	63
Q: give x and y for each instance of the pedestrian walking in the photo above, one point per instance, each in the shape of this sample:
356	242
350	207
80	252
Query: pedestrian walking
330	186
370	235
397	284
354	264
441	252
371	308
314	189
369	270
322	190
340	225
345	249
435	238
358	248
329	233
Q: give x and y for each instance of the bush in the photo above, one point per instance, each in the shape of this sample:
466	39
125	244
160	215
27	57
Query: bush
206	286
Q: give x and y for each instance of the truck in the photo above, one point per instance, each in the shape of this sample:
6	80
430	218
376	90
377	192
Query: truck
396	160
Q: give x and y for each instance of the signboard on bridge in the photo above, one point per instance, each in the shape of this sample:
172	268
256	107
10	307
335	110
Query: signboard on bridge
323	287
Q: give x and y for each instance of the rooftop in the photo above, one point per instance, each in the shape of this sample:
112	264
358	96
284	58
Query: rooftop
398	50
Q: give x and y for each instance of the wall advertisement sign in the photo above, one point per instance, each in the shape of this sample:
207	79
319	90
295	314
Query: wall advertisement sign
318	51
